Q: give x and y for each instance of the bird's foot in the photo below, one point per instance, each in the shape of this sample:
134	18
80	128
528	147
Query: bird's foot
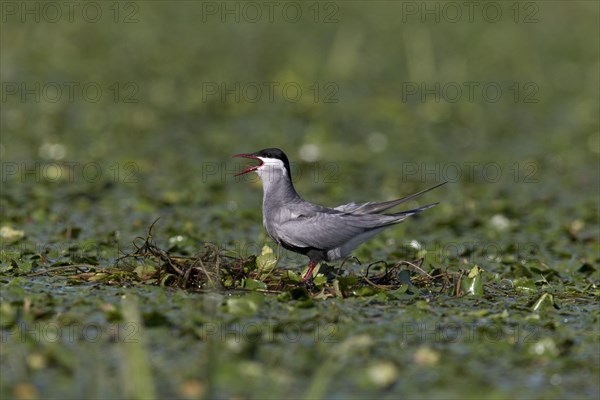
308	275
309	284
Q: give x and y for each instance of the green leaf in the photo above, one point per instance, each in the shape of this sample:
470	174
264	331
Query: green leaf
6	268
253	284
545	301
25	268
364	291
8	234
336	288
284	297
404	277
291	276
320	280
267	260
525	285
398	292
473	284
475	271
250	264
145	271
245	306
163	280
98	277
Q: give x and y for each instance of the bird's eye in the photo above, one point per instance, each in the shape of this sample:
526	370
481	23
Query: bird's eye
269	155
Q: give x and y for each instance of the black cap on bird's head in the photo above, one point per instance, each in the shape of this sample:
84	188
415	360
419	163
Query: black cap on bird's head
273	154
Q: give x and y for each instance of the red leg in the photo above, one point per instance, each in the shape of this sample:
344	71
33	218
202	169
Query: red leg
308	273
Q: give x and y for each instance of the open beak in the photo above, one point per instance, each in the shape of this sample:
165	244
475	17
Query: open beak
251	168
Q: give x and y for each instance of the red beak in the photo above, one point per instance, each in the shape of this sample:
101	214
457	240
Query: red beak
251	168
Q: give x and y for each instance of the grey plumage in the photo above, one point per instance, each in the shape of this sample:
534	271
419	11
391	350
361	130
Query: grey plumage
321	233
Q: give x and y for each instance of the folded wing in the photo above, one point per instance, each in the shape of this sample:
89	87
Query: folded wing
329	231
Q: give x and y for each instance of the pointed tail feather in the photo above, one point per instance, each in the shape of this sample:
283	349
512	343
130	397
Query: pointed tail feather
408	213
378	207
382	220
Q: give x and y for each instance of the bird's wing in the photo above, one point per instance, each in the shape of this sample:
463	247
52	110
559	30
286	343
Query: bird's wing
329	231
374	207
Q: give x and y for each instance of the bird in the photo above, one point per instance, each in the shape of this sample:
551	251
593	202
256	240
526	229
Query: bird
318	232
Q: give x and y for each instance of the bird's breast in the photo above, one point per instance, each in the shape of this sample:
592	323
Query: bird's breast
273	218
270	224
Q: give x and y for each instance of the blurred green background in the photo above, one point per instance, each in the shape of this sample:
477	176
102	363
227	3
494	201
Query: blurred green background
116	113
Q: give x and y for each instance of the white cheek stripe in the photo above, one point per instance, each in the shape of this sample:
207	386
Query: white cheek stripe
272	163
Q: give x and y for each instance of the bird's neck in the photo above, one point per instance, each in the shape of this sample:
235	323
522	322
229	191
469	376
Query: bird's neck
278	187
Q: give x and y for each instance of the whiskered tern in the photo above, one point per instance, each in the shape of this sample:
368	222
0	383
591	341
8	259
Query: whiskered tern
321	233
